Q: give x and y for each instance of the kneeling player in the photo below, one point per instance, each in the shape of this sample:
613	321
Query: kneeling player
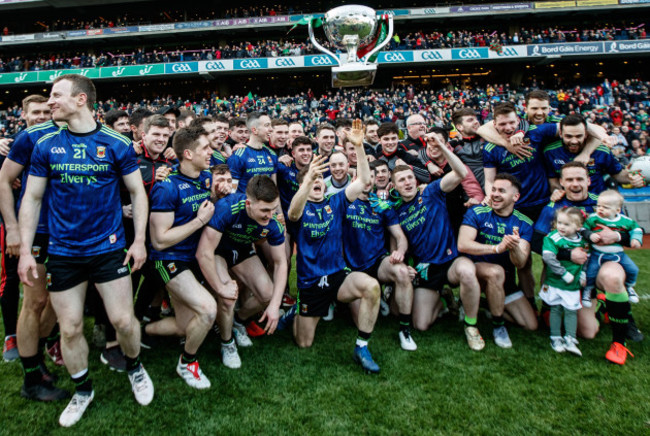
498	239
180	207
425	221
240	220
322	274
364	233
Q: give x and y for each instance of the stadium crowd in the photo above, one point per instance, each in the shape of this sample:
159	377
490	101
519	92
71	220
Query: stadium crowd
210	199
295	47
621	107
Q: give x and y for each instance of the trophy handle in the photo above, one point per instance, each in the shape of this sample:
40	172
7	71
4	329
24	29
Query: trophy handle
384	42
323	49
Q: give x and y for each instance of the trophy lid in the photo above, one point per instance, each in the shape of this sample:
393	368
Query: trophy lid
352	20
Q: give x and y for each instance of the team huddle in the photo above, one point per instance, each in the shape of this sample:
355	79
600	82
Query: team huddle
206	213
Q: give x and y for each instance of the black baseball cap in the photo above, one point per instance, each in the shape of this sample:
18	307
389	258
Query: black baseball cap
169	109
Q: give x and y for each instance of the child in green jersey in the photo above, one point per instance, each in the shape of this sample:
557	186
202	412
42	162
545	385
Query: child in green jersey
608	215
561	288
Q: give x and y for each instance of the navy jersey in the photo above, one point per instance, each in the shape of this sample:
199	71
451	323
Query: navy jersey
319	239
530	171
287	184
21	153
491	228
248	162
83	172
217	158
426	223
601	162
545	221
231	219
364	232
182	195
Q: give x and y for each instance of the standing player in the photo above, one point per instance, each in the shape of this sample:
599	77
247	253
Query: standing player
469	147
36	315
322	274
425	221
73	164
239	221
279	137
180	207
256	158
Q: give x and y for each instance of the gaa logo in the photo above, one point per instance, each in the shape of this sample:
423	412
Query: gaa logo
394	57
432	56
57	150
250	64
509	51
181	68
321	60
469	54
212	66
285	62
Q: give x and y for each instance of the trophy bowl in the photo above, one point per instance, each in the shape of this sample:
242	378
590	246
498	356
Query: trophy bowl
351	21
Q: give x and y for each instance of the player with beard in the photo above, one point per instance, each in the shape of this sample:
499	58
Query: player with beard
37	318
256	158
322	274
424	219
573	134
469	146
498	240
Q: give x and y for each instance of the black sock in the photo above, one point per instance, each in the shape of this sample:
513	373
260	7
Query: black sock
83	383
227	342
188	358
404	322
618	318
32	369
364	336
42	344
132	363
53	336
238	320
498	321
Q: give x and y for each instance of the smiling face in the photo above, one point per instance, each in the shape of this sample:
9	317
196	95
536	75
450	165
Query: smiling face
575	182
155	140
200	156
382	176
260	211
280	135
506	124
537	111
503	196
416	126
37	113
371	134
326	140
573	137
468	126
302	155
62	103
262	129
339	167
240	134
389	143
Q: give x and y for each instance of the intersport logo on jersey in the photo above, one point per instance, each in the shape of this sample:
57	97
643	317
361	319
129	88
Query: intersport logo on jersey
469	53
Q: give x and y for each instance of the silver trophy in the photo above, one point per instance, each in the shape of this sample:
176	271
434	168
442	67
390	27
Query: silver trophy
350	28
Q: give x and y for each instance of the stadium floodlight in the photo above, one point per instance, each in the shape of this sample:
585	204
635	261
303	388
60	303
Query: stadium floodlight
357	30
